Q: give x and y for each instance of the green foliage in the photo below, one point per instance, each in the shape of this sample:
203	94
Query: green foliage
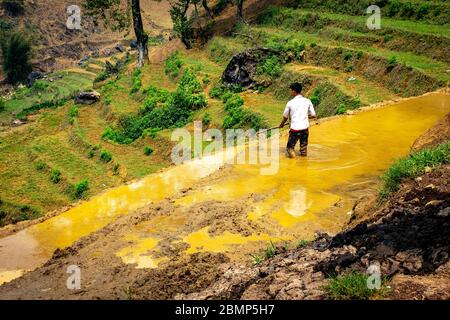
270	251
39	86
206	120
173	65
341	109
161	110
50	104
349	286
137	82
151	133
81	189
148	151
105	156
91	154
182	26
392	62
16	58
413	166
270	66
73	112
41	166
55	176
303	243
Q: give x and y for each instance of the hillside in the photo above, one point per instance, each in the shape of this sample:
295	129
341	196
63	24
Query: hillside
84	165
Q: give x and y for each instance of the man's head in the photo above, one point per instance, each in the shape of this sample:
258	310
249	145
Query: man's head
296	89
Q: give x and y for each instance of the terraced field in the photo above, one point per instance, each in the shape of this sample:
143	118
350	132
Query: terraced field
342	64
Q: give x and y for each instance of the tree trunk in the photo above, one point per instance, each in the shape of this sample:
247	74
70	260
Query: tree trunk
207	9
141	36
240	9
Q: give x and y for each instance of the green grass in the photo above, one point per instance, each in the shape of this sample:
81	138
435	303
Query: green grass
413	166
352	286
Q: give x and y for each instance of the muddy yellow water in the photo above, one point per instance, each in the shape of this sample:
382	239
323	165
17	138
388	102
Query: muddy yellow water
345	156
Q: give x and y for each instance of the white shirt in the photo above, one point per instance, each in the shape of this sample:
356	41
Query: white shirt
299	109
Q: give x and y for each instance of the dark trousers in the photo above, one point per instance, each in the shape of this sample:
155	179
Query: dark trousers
301	136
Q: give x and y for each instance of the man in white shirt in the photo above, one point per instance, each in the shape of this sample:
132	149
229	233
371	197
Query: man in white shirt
299	110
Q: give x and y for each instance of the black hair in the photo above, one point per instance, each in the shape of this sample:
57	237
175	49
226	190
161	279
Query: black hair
297	87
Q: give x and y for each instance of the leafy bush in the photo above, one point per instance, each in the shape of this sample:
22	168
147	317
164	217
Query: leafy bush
349	286
73	112
55	176
206	120
105	156
16	58
40	166
173	65
392	62
80	189
39	85
148	151
341	109
270	66
413	166
91	154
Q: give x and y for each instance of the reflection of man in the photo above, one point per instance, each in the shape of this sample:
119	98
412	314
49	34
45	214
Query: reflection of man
299	110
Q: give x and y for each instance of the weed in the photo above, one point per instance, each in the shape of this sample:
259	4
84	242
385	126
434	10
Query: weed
148	151
55	176
270	251
80	189
173	65
256	259
105	156
413	166
303	243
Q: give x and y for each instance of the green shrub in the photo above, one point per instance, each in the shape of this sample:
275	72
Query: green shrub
41	166
413	166
270	66
206	120
313	45
137	82
392	62
105	156
148	151
55	176
173	65
39	85
81	189
349	286
341	109
91	154
73	112
348	55
16	58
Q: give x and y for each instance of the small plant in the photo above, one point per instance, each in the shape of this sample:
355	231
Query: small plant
148	151
206	120
352	286
392	62
387	38
55	176
348	55
16	58
173	65
73	112
302	243
313	45
39	85
116	169
91	154
40	166
137	83
256	259
270	251
341	109
206	80
105	156
80	189
151	133
359	54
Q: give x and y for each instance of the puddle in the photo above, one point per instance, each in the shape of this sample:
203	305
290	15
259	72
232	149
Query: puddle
343	152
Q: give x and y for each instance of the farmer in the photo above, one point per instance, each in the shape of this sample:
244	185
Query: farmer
299	110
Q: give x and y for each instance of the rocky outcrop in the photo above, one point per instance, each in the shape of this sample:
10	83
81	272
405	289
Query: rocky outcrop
88	97
242	68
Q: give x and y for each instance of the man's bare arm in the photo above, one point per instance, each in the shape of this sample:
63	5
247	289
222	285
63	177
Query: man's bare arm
283	122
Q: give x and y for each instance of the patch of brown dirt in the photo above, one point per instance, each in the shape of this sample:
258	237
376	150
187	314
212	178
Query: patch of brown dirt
439	133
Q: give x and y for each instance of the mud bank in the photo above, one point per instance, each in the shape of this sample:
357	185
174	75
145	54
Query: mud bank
190	237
